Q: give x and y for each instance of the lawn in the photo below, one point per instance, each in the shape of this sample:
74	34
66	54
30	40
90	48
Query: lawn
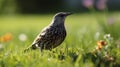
93	40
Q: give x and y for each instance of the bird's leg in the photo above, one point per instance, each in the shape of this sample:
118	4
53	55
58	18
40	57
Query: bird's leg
41	50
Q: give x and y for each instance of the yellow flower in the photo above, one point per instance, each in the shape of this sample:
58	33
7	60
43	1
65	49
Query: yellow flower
6	37
99	47
100	44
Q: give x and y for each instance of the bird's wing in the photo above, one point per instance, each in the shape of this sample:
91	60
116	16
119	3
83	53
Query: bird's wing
42	33
44	36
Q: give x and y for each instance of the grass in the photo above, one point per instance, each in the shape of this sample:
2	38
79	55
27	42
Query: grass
78	49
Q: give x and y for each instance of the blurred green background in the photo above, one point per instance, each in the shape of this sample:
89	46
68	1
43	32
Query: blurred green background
49	6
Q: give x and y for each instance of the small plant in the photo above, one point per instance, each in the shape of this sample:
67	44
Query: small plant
102	55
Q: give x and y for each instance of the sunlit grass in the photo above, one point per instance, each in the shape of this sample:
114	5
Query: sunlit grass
81	39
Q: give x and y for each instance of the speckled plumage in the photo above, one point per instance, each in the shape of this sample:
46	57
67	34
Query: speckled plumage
52	35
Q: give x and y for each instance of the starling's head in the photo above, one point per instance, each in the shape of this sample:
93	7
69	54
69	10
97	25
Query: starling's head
62	14
60	17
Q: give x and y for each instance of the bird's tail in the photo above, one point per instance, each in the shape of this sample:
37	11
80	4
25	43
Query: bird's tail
33	47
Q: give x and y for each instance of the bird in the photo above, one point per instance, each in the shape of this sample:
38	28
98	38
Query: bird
52	35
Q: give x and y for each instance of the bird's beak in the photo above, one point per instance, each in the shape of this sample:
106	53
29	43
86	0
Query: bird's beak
68	13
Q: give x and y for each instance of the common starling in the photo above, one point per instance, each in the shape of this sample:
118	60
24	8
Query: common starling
52	35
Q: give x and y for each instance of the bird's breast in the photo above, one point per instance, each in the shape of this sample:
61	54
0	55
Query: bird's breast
59	35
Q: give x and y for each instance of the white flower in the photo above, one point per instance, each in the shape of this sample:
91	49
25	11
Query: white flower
106	36
49	59
7	53
97	35
1	46
22	37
